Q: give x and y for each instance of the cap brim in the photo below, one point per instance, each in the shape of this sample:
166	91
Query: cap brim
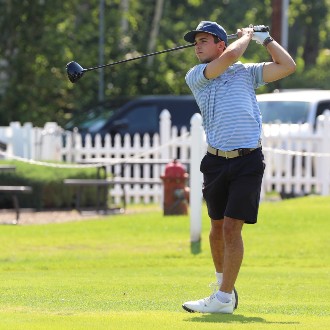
190	36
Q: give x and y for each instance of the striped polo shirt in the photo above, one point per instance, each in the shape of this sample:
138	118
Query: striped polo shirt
228	104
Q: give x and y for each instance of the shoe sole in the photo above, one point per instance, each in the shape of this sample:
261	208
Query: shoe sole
236	298
187	309
192	311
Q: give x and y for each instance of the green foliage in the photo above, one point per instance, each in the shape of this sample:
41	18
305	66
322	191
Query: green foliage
38	38
49	190
316	77
134	271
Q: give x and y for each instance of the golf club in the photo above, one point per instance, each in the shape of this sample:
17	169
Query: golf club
75	71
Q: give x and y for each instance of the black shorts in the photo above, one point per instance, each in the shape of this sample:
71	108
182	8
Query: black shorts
232	186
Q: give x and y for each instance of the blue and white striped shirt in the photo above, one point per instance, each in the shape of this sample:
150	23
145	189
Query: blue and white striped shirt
231	115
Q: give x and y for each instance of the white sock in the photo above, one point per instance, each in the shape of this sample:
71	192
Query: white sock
219	277
224	297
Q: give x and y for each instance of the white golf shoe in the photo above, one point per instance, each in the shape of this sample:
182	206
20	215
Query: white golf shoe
215	286
210	304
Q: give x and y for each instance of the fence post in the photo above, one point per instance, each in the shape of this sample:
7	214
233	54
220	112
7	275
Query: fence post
28	140
50	142
196	154
323	129
16	139
165	133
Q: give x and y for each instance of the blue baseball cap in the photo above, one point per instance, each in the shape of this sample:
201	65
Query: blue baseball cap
208	27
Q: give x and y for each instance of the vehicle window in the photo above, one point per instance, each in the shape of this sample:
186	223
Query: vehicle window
322	106
91	120
182	113
143	119
95	124
294	112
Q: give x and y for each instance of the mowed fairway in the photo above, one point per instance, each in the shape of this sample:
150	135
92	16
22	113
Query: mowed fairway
134	271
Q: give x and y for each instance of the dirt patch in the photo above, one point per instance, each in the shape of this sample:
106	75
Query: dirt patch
31	217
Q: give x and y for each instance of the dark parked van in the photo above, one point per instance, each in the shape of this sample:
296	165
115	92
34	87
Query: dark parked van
141	116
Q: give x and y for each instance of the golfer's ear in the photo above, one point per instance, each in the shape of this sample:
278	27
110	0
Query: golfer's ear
222	45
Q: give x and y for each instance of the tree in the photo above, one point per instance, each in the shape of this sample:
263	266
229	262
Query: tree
39	37
309	23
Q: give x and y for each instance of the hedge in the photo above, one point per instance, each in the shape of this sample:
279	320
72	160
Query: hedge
49	191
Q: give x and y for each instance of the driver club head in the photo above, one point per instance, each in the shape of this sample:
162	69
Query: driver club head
74	71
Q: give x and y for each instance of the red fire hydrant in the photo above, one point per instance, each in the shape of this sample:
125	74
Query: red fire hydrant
176	192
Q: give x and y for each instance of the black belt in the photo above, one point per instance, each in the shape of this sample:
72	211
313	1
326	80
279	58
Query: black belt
232	153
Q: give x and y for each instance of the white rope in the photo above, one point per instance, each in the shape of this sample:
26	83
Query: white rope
148	152
97	164
296	153
35	162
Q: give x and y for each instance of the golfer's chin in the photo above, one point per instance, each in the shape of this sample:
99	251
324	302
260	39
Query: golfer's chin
204	60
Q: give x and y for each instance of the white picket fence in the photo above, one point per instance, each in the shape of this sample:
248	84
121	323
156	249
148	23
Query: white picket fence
297	157
31	142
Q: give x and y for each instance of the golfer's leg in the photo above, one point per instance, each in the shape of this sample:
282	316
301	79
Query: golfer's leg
233	252
217	244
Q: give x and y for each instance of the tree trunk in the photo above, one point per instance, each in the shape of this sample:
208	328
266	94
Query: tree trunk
314	22
277	20
155	29
124	8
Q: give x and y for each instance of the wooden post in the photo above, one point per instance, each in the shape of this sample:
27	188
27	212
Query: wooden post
277	20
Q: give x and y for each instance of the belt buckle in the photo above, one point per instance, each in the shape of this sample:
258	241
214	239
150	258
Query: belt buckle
244	151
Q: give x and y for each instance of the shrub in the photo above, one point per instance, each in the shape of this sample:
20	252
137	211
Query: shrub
49	191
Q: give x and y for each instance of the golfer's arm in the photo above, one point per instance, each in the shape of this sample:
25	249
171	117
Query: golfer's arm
232	53
282	65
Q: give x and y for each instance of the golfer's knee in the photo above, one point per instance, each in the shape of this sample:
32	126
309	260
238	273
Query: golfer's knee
232	229
216	230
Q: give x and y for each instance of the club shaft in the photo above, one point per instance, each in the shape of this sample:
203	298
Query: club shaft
230	36
142	56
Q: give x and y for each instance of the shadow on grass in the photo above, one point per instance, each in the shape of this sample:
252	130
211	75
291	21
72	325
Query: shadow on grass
222	318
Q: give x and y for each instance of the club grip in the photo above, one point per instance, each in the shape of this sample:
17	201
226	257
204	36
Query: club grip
261	28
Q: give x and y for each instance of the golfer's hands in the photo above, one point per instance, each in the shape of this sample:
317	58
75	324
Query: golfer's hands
259	36
245	31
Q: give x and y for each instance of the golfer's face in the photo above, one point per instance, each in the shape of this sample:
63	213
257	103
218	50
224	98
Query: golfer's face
206	49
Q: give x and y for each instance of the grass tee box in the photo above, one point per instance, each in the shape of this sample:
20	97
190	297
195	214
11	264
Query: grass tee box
133	271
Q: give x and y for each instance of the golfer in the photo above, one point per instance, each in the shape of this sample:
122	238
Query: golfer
233	166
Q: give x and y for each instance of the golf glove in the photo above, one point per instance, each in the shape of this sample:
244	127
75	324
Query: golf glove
259	28
259	34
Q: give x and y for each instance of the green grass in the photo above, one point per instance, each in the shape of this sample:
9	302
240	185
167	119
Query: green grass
134	271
